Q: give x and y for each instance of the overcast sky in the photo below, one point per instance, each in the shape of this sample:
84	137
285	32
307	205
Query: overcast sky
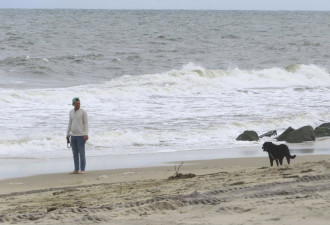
323	5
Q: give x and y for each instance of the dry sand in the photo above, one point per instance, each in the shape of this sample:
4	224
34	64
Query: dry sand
225	191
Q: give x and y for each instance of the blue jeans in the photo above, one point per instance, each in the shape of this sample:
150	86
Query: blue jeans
78	150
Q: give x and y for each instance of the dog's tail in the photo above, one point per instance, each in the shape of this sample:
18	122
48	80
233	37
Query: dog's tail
292	156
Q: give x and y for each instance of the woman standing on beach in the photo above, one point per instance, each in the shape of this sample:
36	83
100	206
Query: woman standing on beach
78	129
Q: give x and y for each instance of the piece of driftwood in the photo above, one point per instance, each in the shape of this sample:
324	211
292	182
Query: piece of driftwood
178	175
182	176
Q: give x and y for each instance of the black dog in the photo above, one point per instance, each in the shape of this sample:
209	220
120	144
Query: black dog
277	152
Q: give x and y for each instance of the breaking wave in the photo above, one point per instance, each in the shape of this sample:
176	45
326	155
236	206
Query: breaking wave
186	109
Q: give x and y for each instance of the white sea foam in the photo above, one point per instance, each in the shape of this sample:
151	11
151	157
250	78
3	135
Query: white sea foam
187	109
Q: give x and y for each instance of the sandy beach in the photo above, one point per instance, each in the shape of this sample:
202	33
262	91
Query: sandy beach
224	191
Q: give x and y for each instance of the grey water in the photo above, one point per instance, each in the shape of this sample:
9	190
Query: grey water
57	48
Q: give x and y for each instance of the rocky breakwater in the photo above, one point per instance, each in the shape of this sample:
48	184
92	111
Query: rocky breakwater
290	135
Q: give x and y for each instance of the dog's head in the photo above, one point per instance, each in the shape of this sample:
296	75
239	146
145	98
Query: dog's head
266	146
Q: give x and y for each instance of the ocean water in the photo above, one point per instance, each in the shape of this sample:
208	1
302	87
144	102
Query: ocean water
159	81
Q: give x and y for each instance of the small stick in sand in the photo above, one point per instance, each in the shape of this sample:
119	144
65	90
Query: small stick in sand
177	170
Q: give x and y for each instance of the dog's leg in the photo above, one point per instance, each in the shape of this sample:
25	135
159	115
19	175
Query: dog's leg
281	161
288	159
271	160
276	160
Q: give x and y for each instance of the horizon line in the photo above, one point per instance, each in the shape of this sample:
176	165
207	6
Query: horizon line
142	9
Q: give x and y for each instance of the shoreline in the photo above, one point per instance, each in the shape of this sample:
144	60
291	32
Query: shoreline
234	191
22	167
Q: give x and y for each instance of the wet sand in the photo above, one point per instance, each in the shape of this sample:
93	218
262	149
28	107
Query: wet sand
224	191
22	167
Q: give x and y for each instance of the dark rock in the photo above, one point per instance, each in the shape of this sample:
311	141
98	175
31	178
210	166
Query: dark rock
269	134
303	134
322	132
285	134
50	209
326	125
248	135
